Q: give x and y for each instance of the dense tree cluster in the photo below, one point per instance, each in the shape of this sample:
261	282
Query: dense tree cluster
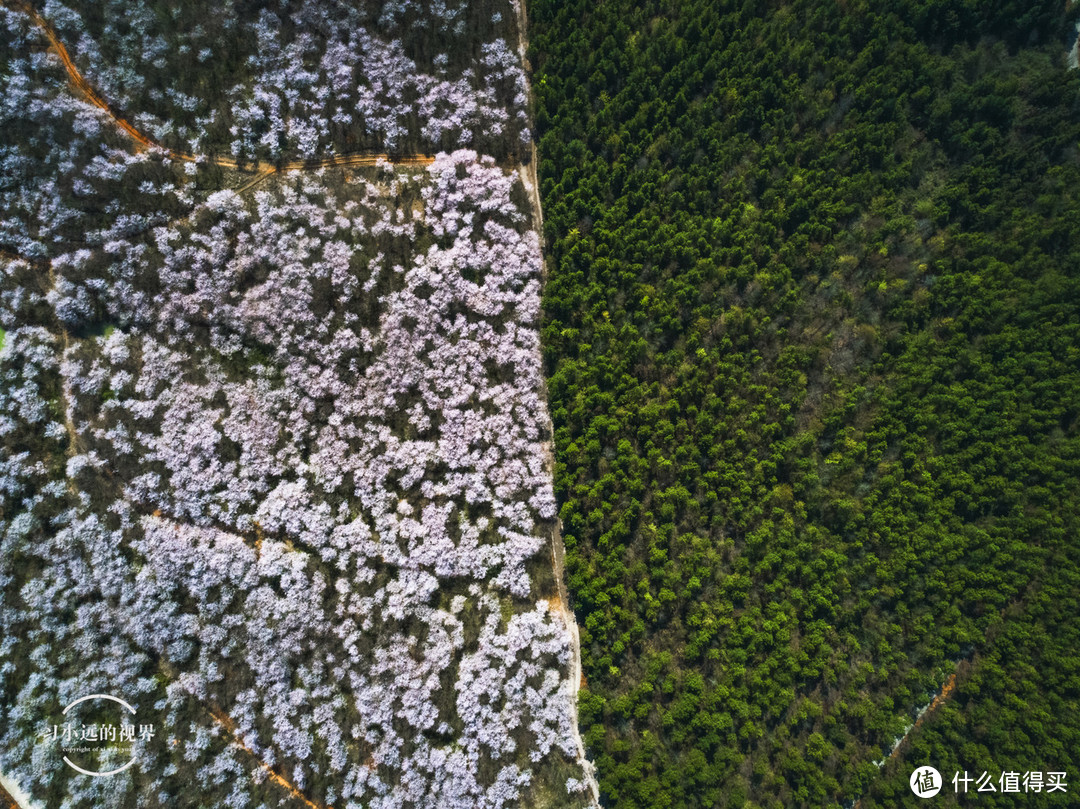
279	80
812	336
273	461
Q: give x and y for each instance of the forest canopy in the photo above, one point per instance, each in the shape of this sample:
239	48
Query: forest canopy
812	338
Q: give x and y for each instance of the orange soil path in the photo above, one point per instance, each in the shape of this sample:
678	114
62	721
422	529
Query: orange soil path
8	801
946	692
225	722
91	95
230	728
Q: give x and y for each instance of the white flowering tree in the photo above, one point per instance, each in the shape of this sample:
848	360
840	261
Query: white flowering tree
272	461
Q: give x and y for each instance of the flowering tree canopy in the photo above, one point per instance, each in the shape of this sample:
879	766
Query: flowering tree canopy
273	458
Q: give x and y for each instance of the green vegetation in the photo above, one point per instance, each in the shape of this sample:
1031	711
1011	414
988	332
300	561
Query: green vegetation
812	331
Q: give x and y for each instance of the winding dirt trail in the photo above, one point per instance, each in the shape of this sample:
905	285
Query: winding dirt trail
350	160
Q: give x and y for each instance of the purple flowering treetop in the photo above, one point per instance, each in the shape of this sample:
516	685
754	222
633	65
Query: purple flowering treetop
272	461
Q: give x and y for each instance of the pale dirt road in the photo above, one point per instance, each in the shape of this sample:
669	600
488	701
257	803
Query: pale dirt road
530	180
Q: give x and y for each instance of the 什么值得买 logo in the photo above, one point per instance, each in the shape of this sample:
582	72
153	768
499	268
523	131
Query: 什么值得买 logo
925	782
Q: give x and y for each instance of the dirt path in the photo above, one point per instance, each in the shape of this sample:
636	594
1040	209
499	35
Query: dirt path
530	180
943	695
7	800
13	797
226	724
354	159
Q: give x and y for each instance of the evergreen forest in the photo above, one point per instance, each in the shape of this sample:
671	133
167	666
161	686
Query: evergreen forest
812	339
